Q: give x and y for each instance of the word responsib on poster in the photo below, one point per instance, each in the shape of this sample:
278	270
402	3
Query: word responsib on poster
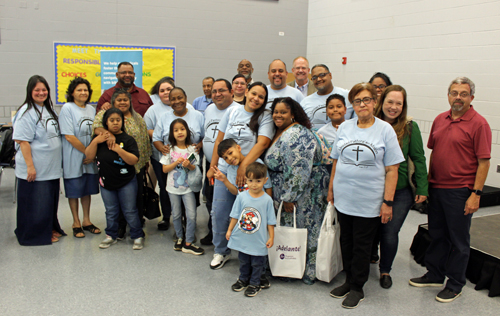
83	60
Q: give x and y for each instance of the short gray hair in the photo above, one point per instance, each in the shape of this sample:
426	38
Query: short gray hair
464	80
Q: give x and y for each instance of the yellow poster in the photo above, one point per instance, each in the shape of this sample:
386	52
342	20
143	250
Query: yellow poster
83	60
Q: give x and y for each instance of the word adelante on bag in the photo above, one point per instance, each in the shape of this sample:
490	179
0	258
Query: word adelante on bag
286	248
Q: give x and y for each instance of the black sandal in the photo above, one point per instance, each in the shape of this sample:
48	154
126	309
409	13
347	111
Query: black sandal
91	228
78	230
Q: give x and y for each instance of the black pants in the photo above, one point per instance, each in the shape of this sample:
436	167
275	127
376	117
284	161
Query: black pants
356	239
449	228
208	192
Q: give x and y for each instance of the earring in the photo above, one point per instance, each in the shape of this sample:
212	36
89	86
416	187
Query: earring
293	120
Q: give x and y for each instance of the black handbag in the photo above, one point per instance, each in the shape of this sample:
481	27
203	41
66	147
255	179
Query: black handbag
151	200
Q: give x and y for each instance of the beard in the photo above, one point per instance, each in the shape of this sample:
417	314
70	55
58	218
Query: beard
248	75
457	107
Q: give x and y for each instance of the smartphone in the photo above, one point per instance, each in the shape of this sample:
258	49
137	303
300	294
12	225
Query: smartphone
192	158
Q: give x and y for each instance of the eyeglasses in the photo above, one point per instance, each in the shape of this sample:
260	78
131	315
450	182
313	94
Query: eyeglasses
382	86
236	83
462	95
126	73
321	75
366	101
221	91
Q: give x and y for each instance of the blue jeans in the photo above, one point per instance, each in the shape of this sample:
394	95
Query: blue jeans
162	183
124	198
190	204
449	228
221	208
251	268
389	233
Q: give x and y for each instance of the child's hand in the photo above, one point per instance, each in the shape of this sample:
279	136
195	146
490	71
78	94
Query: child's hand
115	147
219	175
179	160
186	163
270	243
228	234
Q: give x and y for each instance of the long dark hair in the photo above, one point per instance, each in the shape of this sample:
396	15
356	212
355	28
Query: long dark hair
72	86
298	112
108	113
171	138
254	121
31	103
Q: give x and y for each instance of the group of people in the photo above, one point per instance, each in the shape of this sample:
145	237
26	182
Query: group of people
264	148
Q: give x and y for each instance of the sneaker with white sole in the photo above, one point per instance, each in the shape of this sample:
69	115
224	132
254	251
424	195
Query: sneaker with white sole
353	298
447	295
239	286
219	260
423	281
252	290
193	249
108	241
138	243
178	244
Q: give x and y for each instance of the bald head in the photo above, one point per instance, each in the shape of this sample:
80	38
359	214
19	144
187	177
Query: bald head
277	74
245	68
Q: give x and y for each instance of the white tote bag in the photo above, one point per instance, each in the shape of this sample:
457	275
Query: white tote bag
287	257
329	256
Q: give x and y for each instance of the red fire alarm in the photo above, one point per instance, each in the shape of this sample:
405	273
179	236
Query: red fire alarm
344	60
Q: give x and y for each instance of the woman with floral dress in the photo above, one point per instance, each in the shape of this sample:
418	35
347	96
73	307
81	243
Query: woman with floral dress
298	179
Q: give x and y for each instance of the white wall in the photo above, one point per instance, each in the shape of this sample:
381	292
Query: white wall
210	37
421	44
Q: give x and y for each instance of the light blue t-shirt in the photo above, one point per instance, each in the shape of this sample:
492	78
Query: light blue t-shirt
201	103
76	121
253	214
329	132
45	141
315	107
287	91
233	170
362	155
235	124
212	118
152	116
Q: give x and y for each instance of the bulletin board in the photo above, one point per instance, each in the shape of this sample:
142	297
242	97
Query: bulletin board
83	60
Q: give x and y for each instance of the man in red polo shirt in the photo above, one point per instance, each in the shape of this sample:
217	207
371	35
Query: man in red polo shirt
460	140
126	76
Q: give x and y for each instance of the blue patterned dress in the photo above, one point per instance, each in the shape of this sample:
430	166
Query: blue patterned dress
295	179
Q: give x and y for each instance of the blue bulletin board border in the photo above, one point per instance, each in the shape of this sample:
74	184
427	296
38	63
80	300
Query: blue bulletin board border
56	44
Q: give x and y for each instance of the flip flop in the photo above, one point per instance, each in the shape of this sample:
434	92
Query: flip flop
91	228
78	230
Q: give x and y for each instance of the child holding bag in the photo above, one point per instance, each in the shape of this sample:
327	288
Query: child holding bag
181	160
252	217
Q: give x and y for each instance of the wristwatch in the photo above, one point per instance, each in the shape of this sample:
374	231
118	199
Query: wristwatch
477	192
389	203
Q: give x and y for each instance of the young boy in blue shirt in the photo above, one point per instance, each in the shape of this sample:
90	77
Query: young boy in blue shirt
252	218
230	151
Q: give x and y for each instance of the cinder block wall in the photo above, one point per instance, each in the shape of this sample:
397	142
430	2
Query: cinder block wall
210	37
421	44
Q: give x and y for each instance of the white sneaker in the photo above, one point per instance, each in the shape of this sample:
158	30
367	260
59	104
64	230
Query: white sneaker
219	260
138	243
108	241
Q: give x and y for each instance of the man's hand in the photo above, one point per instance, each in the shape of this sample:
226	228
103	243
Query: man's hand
472	204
